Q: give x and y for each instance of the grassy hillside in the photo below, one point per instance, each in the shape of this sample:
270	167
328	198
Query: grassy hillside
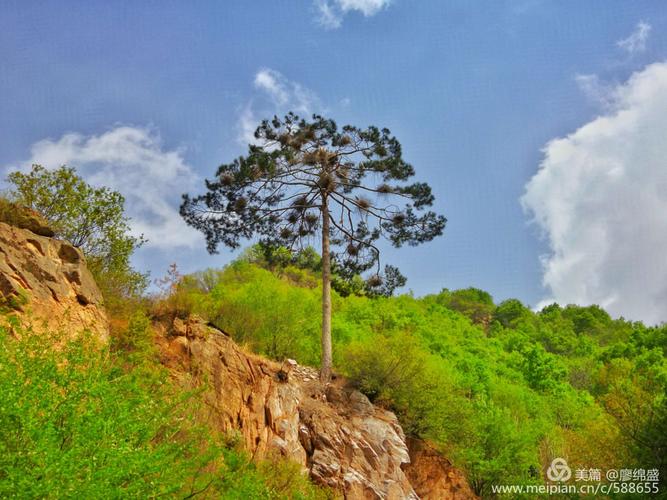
501	390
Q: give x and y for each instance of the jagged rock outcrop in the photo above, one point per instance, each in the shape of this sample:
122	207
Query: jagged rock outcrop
335	432
46	282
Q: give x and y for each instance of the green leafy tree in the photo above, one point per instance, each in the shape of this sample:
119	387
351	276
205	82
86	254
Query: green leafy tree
308	178
636	396
472	302
510	312
90	218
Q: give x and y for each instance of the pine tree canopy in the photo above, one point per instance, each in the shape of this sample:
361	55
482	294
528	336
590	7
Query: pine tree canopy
298	171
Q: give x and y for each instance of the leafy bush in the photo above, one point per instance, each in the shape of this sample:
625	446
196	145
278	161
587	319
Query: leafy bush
263	311
472	302
73	422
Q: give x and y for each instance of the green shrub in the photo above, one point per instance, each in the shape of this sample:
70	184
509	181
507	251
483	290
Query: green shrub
135	341
73	422
395	372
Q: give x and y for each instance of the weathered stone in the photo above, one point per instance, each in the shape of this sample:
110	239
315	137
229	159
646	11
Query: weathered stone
342	440
433	476
179	328
47	283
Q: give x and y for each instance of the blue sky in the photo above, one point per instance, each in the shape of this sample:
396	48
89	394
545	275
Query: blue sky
150	97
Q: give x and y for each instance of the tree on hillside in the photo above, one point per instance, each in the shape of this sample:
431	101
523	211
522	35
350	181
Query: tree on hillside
90	218
305	178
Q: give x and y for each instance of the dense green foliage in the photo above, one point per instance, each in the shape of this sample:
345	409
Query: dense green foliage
90	218
77	421
502	390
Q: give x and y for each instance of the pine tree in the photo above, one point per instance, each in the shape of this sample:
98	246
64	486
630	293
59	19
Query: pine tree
306	178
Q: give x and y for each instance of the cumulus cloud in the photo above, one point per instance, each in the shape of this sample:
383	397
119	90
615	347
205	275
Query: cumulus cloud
275	94
132	161
330	13
600	197
636	42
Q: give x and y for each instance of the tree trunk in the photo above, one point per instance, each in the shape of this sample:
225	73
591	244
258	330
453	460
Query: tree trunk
325	372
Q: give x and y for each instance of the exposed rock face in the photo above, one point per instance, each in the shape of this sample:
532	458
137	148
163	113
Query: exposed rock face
343	440
433	476
47	283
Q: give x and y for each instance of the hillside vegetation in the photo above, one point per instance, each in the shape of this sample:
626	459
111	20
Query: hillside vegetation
500	389
81	422
83	419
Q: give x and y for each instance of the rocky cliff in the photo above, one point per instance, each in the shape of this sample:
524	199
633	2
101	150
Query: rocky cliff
333	431
46	281
338	436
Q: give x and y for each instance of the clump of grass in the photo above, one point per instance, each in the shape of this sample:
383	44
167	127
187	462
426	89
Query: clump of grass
23	217
9	212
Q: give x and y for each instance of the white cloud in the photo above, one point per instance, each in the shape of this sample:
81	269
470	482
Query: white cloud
327	16
286	93
132	161
600	196
596	90
331	12
274	84
276	94
366	7
636	42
